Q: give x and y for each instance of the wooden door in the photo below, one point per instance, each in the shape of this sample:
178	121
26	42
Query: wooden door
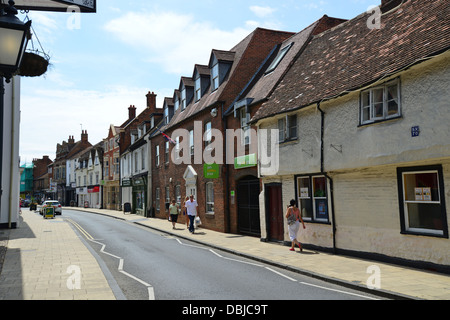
274	212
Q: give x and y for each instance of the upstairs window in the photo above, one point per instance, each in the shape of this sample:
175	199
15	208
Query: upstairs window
281	54
208	134
198	89
215	76
380	103
245	127
183	99
287	128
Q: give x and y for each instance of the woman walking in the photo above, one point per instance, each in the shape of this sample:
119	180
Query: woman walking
173	210
293	216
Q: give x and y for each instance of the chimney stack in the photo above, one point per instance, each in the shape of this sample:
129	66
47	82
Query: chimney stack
151	100
84	136
71	140
131	112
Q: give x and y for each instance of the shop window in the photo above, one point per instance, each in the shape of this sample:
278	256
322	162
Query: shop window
312	198
157	198
210	197
422	201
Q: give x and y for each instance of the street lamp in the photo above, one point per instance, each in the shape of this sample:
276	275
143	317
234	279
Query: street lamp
14	35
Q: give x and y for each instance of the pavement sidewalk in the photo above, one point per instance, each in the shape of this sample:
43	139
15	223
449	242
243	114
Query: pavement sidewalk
47	260
396	282
41	252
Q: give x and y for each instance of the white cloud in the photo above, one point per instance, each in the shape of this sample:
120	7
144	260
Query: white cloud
262	12
50	116
175	41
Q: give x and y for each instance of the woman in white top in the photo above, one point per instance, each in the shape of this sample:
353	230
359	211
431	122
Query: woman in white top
293	215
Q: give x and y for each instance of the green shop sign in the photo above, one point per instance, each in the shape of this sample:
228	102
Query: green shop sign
246	161
211	171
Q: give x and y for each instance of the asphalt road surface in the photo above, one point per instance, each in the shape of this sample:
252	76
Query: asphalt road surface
149	265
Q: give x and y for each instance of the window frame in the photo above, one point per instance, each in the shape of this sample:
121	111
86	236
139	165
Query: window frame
157	156
215	77
371	108
312	198
280	56
244	119
158	199
285	127
404	214
198	88
209	202
207	136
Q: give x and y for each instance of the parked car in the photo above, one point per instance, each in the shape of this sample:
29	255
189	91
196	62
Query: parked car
54	203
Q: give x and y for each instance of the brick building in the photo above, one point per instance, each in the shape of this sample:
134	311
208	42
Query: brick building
194	161
41	177
133	173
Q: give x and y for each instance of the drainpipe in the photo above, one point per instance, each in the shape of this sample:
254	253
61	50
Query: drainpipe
322	171
227	174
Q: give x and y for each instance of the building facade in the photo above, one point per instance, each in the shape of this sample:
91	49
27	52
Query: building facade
358	143
111	169
188	153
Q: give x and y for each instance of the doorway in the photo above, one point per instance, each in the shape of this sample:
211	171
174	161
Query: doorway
248	206
274	212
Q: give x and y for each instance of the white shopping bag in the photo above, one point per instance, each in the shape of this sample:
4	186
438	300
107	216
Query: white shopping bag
197	222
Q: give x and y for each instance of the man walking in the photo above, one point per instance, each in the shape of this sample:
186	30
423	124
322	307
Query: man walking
191	206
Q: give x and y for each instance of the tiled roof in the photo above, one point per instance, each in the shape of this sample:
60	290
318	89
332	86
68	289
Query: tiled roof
267	82
255	46
351	56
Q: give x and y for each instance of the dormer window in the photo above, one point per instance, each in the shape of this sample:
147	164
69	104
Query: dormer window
220	64
198	88
168	110
281	54
201	78
166	115
215	77
183	99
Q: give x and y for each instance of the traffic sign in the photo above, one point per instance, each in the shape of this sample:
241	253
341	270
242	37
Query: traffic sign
56	5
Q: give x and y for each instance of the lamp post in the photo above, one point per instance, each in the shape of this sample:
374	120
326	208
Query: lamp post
14	35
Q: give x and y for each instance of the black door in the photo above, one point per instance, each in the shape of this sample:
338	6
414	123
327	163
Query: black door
248	206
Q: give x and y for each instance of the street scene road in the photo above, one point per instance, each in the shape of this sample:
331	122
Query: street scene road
147	264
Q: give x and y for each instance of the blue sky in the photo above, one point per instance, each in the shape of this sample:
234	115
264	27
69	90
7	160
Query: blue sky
104	62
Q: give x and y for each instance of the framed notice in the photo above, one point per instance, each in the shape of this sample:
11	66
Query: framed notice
418	192
426	194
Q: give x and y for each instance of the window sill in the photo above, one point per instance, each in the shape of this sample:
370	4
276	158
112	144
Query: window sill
425	234
288	141
379	121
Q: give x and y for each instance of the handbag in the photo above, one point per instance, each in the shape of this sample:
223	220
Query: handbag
291	219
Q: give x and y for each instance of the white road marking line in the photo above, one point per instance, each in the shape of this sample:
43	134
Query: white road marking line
280	274
340	291
150	289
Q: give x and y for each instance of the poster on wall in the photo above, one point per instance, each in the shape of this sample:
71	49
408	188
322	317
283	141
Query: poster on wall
321	209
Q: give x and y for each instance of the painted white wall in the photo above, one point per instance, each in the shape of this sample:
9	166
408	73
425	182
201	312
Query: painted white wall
9	211
362	160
